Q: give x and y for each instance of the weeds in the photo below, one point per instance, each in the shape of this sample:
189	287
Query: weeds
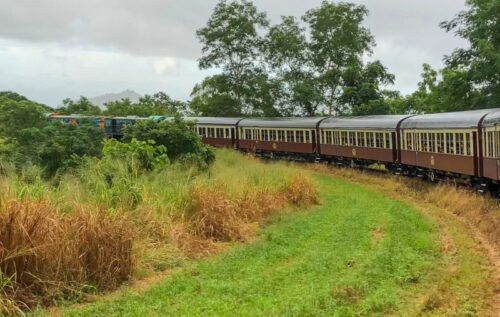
108	221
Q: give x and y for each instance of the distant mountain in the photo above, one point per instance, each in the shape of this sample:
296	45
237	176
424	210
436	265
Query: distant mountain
101	100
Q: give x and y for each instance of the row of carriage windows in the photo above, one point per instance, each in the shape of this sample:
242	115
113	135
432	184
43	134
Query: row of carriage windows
220	133
357	138
445	143
291	136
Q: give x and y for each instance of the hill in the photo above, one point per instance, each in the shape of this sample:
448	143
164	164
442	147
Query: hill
101	100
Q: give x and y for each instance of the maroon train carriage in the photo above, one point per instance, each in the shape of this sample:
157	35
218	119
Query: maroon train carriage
279	136
219	132
361	141
444	145
491	147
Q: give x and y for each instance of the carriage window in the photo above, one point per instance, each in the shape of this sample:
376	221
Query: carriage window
344	137
248	134
449	143
299	136
489	147
352	138
281	135
459	139
423	142
307	137
369	139
289	136
211	132
379	140
467	144
228	133
360	138
432	142
440	142
328	137
387	140
219	133
409	143
265	135
272	135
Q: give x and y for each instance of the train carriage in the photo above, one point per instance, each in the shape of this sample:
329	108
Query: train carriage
491	146
361	140
443	143
279	135
219	132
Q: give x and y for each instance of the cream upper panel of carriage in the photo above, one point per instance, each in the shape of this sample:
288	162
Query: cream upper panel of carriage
362	138
290	135
214	131
442	141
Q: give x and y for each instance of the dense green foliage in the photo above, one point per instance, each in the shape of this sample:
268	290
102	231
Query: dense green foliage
27	138
281	70
159	104
176	135
475	69
83	106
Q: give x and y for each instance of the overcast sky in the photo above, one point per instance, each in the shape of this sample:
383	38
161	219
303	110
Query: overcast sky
53	49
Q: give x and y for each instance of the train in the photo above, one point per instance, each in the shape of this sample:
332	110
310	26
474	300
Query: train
461	147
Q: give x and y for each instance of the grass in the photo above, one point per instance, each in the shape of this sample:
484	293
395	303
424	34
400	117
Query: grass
359	253
93	229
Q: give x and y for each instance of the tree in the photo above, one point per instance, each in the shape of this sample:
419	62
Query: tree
82	106
231	41
18	115
159	104
214	98
338	42
287	54
479	64
362	93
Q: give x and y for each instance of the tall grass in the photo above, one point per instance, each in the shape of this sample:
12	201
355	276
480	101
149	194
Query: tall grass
100	225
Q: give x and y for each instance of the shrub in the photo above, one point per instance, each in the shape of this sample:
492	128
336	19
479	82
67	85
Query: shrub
176	135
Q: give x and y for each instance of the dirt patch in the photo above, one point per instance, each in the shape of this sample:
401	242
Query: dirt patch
377	234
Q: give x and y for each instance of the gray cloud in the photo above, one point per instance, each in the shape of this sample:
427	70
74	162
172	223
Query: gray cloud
407	32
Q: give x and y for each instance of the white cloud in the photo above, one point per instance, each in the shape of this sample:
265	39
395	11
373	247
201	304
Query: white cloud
54	49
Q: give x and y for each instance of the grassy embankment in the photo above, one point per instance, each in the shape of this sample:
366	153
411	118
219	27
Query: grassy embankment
90	230
359	253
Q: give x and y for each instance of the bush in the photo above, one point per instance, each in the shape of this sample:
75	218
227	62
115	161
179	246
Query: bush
142	154
177	136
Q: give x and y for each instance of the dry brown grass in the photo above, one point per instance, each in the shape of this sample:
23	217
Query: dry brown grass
212	216
44	255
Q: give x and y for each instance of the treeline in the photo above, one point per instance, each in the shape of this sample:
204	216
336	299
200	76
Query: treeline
28	139
317	66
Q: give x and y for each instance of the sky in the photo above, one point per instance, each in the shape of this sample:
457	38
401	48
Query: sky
54	49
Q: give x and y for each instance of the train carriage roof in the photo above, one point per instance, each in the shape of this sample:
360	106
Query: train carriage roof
214	120
492	118
446	120
303	123
363	122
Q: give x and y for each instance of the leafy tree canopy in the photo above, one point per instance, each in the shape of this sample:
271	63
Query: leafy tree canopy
82	106
157	104
476	69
